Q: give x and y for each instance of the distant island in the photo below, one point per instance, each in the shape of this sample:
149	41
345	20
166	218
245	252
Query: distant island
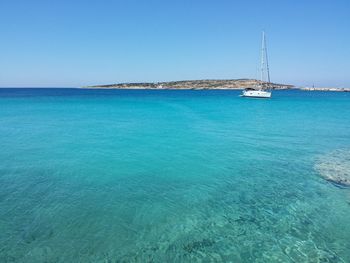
325	89
207	84
192	84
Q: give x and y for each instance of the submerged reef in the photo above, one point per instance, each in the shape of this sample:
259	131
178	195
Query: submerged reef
335	167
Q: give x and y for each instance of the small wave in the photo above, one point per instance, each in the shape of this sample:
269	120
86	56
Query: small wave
335	167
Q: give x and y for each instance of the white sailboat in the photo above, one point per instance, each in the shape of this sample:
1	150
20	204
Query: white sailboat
262	90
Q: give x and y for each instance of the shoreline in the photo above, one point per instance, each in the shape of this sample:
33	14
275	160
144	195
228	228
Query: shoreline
209	84
222	84
325	89
216	88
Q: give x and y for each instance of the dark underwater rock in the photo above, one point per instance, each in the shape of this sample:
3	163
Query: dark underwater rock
335	167
197	245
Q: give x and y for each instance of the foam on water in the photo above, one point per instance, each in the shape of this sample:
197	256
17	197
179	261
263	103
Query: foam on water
140	176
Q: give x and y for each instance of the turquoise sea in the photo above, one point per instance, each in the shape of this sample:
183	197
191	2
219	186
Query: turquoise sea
172	176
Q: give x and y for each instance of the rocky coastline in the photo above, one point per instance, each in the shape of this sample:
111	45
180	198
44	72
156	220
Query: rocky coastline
209	84
192	84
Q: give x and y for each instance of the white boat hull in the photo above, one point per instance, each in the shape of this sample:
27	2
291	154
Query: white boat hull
256	94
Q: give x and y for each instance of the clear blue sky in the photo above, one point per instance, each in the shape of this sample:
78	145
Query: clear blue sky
81	42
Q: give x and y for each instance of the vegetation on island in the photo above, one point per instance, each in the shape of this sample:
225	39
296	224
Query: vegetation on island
193	84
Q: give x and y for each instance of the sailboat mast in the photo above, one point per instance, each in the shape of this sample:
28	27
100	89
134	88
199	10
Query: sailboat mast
262	65
265	71
267	62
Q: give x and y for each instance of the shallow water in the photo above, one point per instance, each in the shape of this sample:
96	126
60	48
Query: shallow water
171	176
